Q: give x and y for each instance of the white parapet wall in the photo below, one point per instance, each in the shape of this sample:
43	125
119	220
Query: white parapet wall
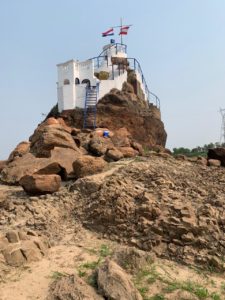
106	85
74	76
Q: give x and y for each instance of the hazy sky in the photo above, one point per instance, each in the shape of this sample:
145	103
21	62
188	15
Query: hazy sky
179	43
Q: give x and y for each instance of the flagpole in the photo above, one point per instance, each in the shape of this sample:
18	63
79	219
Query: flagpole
121	25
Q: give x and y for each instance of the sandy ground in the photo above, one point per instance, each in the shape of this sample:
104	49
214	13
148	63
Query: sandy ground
32	281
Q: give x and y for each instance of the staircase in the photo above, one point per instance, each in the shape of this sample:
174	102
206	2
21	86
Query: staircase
90	109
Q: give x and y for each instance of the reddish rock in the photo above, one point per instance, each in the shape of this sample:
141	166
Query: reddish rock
51	121
46	138
65	158
214	163
217	153
3	164
114	155
138	147
121	138
128	152
28	165
20	150
88	165
98	146
40	184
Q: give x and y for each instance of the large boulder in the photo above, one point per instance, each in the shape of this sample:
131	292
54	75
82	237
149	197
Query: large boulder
60	162
37	184
97	146
121	137
72	288
217	153
65	158
88	165
47	137
20	150
114	283
25	165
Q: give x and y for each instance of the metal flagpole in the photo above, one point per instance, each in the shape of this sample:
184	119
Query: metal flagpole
121	25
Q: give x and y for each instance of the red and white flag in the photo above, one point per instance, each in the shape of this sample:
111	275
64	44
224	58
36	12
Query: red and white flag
108	32
124	30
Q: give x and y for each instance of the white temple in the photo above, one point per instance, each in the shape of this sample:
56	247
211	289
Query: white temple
75	77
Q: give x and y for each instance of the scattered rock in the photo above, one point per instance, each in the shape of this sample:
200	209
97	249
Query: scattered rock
202	161
40	184
72	288
88	165
17	251
121	137
214	163
131	259
128	152
97	146
114	283
114	155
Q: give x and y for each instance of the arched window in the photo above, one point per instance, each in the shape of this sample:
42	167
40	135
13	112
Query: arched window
66	81
77	81
87	81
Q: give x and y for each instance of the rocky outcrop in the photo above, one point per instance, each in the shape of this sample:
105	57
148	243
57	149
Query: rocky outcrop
124	109
40	184
88	165
20	247
163	205
114	283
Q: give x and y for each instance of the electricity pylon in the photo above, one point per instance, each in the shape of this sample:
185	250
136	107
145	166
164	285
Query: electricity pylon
222	132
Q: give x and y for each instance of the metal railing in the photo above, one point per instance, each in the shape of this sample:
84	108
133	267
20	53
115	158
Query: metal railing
133	64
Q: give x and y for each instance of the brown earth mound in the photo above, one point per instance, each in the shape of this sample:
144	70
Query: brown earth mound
175	208
119	109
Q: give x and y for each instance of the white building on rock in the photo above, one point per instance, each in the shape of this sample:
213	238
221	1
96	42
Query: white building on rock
82	84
